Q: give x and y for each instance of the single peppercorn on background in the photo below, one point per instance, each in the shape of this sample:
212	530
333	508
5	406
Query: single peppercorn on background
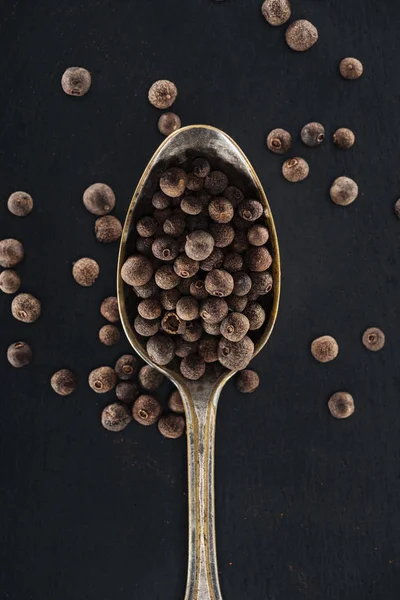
306	505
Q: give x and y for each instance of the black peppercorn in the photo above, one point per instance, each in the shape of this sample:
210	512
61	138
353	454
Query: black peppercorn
160	215
255	314
193	332
161	200
109	309
20	204
241	283
147	290
247	381
250	210
191	205
11	253
126	391
221	210
343	191
116	417
145	327
99	199
219	283
146	409
223	234
146	227
344	138
63	382
215	182
237	303
261	282
235	326
351	68
295	169
150	308
19	354
10	281
184	348
212	328
162	94
373	339
76	81
239	241
213	310
194	183
341	405
235	355
208	349
199	245
25	308
276	12
257	258
313	134
258	235
279	141
324	349
161	349
126	366
137	270
185	267
301	35
174	225
109	335
150	379
187	308
169	298
197	289
175	402
143	246
107	229
214	261
171	426
173	182
193	367
166	278
165	248
85	271
102	380
168	123
233	194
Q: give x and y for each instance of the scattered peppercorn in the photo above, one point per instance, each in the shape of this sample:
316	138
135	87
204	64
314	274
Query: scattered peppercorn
351	68
184	348
201	167
262	283
126	391
193	367
233	262
215	182
109	335
150	379
397	208
324	349
162	94
186	267
221	210
373	339
223	234
276	12
20	204
168	123
343	191
301	35
137	270
279	141
10	281
255	314
99	199
146	409
126	366
341	405
175	402
344	138
76	81
161	200
213	310
247	381
235	355
145	327
161	349
199	245
219	283
26	308
109	309
102	380
193	332
313	134
257	235
171	426
174	225
11	253
85	271
237	303
63	382
107	229
173	182
116	417
19	354
295	169
146	290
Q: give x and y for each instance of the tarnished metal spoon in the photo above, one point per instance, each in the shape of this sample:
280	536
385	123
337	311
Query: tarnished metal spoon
200	398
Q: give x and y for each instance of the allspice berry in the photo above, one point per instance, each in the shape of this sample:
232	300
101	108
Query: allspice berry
85	271
255	314
173	324
166	278
257	235
191	205
194	183
186	267
199	245
174	225
10	281
343	191
145	327
214	261
237	303
276	12
235	326
173	182
215	183
107	229
219	283
99	199
258	258
161	215
233	194
193	367
76	81
146	409
63	382
301	35
351	68
344	138
279	141
212	328
109	335
146	227
19	354
262	283
175	402
125	367
324	349
295	169
150	308
165	248
25	308
143	245
187	308
213	310
184	348
11	253
169	298
235	355
223	234
102	380
373	339
20	204
198	290
239	241
341	405
150	379
221	210
233	262
109	309
250	210
137	270
168	123
208	349
247	381
162	94
116	417
146	290
171	426
161	349
126	391
161	200
201	167
313	134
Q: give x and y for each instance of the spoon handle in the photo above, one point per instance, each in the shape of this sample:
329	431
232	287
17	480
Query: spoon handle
202	580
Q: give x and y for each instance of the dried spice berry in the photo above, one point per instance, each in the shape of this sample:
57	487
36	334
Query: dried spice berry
262	283
126	392
150	308
241	283
116	417
161	349
198	290
161	200
99	199
184	348
279	141
213	310
324	349
255	314
20	204
295	169
239	241
175	402
301	35
109	335
146	410
250	210
107	229
212	328
373	339
208	349
193	332
102	380
109	309
11	253
199	222
168	123
233	194
10	281
63	382
76	81
343	191
344	138
174	225
186	267
235	326
147	290
247	381
192	367
25	308
214	261
166	278
258	235
146	226
233	262
397	208
313	134
215	183
194	183
351	68
171	426
187	308
221	210
240	224
199	245
341	405
201	167
169	298
165	248
258	258
219	283
184	285
137	270
173	182
235	355
126	366
145	327
237	303
162	94
19	354
150	379
85	271
191	205
161	215
143	245
253	295
276	12
223	234
173	324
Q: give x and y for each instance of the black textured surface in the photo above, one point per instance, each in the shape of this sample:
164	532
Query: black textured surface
307	507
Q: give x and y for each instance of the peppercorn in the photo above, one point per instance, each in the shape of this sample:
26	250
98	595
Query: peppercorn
257	258
215	182
10	281
161	349
19	354
143	245
261	282
137	270
191	205
161	200
235	326
145	327
174	225
255	314
235	355
250	210
258	235
313	134
146	227
237	303
184	285
212	328
197	289
76	81
102	380
107	229
341	405
150	379
11	253
199	245
63	382
173	324
99	199
373	339
219	283
240	224
126	391
241	283
324	349
344	138
166	278
20	204
213	310
173	182
171	426
199	222
146	409
169	298
160	215
168	123
147	290
343	191
233	262
192	367
295	169
184	348
109	309
276	12
185	267
208	349
162	94
109	335
279	141
25	308
221	210
149	308
175	402
223	234
214	261
247	381
239	242
165	248
253	295
115	417
193	332
85	271
233	194
187	308
351	68
126	366
201	167
301	35
397	208
194	183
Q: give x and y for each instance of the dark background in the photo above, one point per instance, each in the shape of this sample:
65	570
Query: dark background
307	506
